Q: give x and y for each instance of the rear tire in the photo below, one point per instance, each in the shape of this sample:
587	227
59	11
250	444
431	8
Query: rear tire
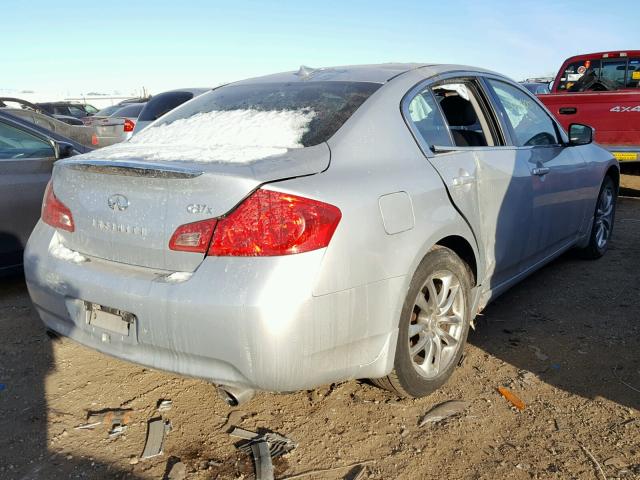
603	219
433	325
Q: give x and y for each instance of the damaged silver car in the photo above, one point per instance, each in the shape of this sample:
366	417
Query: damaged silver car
316	226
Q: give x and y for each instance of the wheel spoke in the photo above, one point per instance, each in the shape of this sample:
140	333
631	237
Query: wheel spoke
420	344
415	329
435	356
446	337
453	294
443	295
450	320
422	302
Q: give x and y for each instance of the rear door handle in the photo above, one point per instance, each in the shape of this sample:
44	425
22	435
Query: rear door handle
568	110
463	180
540	171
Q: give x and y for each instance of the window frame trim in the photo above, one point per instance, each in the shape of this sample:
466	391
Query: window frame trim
561	136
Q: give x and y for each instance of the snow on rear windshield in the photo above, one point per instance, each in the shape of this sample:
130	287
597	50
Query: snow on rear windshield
241	123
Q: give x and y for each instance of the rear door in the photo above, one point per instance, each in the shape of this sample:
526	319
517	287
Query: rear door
487	181
557	171
25	168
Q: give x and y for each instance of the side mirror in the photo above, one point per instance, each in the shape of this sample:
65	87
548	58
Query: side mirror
62	150
580	134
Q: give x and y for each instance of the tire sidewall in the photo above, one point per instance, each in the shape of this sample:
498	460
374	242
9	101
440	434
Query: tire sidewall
410	380
608	181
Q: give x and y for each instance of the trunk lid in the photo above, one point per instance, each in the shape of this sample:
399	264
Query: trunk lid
126	210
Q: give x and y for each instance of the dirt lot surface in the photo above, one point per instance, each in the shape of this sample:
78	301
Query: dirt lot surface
566	341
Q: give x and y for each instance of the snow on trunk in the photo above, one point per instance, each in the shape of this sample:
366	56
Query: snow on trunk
216	136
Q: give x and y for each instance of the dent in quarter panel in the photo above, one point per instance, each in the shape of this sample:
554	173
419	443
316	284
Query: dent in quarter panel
397	212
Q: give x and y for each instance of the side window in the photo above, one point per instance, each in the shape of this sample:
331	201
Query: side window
428	121
463	114
16	143
613	73
633	73
530	123
580	76
163	103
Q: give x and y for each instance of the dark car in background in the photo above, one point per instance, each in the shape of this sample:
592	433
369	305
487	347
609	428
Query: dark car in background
163	103
27	154
71	109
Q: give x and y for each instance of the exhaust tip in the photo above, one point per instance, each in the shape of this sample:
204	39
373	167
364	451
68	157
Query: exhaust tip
235	396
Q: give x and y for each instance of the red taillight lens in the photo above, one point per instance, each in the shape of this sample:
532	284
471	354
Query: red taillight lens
56	213
272	223
129	125
193	237
94	139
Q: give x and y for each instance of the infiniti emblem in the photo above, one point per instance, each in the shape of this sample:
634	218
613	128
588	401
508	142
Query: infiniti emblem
118	202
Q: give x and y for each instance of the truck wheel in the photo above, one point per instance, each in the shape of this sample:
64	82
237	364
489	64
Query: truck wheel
433	327
603	218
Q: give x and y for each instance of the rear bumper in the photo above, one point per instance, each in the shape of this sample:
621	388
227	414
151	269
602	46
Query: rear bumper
624	153
249	322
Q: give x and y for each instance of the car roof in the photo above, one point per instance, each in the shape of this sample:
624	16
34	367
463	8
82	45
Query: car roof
375	73
379	73
7	117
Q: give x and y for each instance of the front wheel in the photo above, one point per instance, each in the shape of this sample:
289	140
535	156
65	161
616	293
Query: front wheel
433	326
603	218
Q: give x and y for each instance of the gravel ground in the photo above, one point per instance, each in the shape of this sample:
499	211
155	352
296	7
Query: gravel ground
566	341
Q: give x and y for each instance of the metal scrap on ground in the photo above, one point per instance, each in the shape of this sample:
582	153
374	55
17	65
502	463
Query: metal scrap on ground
115	420
263	447
156	430
444	410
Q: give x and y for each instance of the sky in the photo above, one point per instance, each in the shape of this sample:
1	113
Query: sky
79	47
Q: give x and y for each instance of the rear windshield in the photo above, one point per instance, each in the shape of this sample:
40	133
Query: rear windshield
129	111
107	111
163	103
289	115
600	75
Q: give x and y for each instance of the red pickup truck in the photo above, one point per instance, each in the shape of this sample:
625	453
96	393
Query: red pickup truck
601	90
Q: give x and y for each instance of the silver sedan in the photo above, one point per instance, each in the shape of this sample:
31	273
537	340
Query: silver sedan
317	226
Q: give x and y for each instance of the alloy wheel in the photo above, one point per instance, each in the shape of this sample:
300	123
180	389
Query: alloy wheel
437	324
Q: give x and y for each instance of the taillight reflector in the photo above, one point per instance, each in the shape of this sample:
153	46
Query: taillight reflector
56	213
271	223
193	237
129	125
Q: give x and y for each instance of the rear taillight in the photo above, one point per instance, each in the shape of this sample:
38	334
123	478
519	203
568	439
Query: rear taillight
56	213
193	237
271	223
94	139
129	125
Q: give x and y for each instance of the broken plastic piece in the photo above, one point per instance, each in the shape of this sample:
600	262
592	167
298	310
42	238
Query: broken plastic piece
512	398
444	410
262	460
156	430
164	405
278	444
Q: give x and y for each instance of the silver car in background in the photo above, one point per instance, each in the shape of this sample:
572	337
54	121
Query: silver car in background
317	226
114	125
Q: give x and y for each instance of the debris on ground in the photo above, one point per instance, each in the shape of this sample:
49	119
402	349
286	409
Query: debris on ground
235	417
262	461
263	447
356	473
596	464
442	411
156	430
164	405
512	398
178	471
278	444
115	420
